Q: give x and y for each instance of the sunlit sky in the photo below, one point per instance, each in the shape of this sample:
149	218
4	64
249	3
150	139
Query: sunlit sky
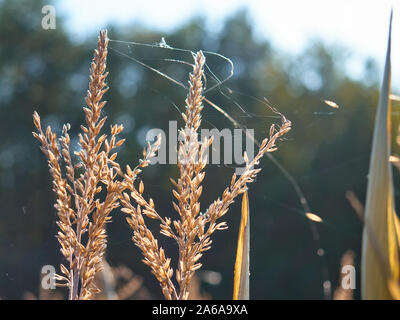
359	25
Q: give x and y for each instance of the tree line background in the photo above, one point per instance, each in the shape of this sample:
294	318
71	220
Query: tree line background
327	151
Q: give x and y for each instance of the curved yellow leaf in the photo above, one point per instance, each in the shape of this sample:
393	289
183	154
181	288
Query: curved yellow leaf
381	221
241	285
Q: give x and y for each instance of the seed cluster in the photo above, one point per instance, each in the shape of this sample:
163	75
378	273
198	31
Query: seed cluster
82	212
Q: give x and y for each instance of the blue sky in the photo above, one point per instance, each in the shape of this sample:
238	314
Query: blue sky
359	25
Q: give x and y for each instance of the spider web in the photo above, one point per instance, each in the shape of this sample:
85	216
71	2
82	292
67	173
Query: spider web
217	82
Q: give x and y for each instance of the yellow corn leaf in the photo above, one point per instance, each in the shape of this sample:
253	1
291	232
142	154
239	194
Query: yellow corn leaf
381	230
394	289
241	286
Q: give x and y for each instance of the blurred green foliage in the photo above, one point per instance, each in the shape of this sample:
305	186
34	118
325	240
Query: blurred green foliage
327	151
